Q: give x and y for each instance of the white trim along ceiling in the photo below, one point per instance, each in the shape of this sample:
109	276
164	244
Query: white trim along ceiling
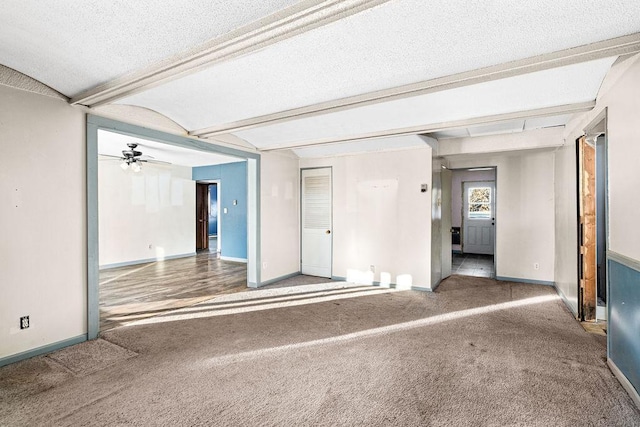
281	74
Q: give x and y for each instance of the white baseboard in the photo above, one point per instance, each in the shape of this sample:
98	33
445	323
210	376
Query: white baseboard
144	261
229	258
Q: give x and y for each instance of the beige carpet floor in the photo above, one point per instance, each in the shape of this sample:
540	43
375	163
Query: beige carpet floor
476	352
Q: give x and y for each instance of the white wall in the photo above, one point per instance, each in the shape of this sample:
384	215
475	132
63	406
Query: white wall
620	93
380	217
280	215
146	215
566	233
42	221
524	210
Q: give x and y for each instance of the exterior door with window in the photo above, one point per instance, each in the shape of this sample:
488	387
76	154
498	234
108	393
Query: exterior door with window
478	236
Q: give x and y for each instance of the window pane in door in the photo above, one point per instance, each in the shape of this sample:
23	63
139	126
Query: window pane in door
479	202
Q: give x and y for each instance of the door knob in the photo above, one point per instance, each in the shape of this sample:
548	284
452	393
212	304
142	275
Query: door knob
328	231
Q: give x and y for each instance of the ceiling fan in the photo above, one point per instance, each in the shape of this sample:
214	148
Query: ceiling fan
133	158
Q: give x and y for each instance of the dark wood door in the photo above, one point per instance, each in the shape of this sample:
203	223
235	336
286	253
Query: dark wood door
202	217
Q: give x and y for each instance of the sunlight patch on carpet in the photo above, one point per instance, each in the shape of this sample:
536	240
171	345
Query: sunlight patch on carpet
245	302
399	327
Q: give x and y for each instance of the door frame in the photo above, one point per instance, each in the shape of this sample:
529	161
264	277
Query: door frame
495	216
599	125
95	123
200	200
301	219
218	184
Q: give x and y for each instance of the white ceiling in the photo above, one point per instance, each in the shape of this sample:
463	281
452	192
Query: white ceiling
112	144
377	144
73	46
396	43
509	126
557	86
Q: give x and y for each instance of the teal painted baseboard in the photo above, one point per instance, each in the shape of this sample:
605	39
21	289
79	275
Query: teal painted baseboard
42	350
144	261
529	281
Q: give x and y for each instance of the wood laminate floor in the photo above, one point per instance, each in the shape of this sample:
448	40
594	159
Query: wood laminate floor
145	290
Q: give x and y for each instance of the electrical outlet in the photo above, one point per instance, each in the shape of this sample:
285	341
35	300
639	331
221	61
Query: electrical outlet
150	246
536	266
264	265
372	268
24	322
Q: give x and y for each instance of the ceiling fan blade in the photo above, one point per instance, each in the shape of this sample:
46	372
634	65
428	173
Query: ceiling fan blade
110	157
157	162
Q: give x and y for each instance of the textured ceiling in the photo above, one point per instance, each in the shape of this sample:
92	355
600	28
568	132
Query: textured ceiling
378	144
74	45
509	126
398	42
558	86
112	144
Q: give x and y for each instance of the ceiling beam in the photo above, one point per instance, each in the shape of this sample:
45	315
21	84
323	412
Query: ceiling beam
435	127
618	46
284	24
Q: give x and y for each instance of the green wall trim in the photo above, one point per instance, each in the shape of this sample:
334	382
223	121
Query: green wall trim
42	350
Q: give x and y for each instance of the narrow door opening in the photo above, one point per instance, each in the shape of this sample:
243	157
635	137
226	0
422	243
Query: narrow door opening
592	224
473	219
207	217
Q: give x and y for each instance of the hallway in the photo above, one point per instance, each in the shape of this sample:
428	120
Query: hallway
473	265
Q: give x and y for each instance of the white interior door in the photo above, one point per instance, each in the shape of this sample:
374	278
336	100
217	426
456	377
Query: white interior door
479	217
316	222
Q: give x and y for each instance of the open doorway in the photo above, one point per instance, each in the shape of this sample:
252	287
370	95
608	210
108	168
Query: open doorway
207	216
591	152
473	219
147	227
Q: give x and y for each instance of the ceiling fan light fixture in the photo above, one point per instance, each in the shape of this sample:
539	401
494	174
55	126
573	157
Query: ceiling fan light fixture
136	166
124	165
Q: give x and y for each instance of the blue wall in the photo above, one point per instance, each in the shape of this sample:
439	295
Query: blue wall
233	186
624	320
